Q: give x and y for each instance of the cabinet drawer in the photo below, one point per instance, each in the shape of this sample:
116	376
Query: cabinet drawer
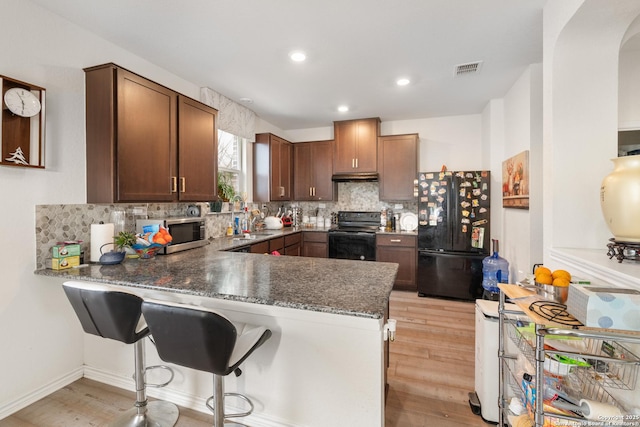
315	236
292	239
396	240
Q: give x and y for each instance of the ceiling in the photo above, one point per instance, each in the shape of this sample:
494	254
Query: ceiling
356	49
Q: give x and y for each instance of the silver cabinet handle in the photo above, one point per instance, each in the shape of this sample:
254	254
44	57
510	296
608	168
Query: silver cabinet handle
174	184
183	184
395	240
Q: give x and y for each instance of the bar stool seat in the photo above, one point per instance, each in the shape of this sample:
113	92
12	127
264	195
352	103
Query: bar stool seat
116	314
202	339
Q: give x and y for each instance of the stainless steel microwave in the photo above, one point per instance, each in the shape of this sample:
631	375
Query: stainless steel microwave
187	233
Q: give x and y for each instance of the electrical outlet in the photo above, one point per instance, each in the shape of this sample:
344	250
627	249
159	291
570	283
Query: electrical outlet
139	210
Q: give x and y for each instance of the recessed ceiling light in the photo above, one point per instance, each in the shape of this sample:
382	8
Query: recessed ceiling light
343	108
403	82
246	100
297	56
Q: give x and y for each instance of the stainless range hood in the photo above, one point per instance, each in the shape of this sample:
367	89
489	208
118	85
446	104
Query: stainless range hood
347	177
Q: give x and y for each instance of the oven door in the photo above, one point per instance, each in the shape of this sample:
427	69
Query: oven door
352	245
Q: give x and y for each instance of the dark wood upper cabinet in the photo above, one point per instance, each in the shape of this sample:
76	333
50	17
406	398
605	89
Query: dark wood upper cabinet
397	166
272	168
313	166
198	151
356	145
133	138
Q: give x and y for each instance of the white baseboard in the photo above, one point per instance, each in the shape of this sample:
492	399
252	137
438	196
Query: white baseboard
197	403
185	400
32	397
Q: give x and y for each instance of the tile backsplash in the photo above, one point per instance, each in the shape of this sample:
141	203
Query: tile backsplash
57	223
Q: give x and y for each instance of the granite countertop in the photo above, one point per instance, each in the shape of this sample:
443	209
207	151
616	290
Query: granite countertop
355	288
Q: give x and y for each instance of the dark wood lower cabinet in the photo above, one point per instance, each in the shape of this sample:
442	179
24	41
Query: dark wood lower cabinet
260	248
401	249
315	244
292	244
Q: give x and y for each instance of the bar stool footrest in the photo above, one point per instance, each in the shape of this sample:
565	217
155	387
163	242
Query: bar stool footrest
160	385
239	414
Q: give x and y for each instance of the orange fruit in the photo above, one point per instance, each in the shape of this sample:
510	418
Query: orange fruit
560	282
561	274
544	279
542	269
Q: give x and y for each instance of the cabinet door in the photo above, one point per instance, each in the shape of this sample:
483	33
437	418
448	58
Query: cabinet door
402	250
302	187
345	147
315	244
397	166
322	169
260	248
355	148
272	168
313	167
146	139
197	145
276	244
366	148
286	169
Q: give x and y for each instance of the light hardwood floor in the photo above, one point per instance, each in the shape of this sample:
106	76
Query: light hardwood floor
430	373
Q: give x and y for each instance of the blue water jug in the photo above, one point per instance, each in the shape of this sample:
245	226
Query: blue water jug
495	269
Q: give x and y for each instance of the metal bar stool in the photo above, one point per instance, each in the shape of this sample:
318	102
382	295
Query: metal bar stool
116	314
201	339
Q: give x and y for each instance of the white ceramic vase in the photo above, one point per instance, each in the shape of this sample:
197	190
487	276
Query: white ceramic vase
620	199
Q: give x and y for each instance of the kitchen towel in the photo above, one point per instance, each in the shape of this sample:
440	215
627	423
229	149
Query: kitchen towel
101	234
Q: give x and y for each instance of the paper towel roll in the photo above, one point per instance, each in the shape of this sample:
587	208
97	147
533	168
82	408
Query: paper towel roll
101	234
593	410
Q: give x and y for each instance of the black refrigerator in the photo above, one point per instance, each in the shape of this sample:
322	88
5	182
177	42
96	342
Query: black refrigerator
453	233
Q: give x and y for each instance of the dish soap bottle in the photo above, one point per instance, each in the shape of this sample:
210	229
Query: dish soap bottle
495	269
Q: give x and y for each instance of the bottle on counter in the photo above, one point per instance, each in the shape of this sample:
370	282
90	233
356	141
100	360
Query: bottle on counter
383	218
230	229
495	269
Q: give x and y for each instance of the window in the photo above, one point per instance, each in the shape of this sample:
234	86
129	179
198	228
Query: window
232	162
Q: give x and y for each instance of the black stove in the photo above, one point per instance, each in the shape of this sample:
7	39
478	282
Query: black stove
358	221
354	237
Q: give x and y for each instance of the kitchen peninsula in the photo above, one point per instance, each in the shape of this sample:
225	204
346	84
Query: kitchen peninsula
325	364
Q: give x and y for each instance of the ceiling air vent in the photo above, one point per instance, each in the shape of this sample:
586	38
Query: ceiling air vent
467	69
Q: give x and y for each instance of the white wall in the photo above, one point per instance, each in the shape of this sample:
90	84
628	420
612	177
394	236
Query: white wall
522	128
42	340
580	116
629	89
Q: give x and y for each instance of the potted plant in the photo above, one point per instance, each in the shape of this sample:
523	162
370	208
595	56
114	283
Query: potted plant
225	186
124	241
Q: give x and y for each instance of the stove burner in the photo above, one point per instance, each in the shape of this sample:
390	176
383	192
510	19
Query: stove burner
555	312
623	250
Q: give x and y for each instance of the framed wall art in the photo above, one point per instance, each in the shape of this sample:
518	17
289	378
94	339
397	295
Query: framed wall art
515	181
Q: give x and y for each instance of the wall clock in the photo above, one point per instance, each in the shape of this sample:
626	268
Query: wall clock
23	123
